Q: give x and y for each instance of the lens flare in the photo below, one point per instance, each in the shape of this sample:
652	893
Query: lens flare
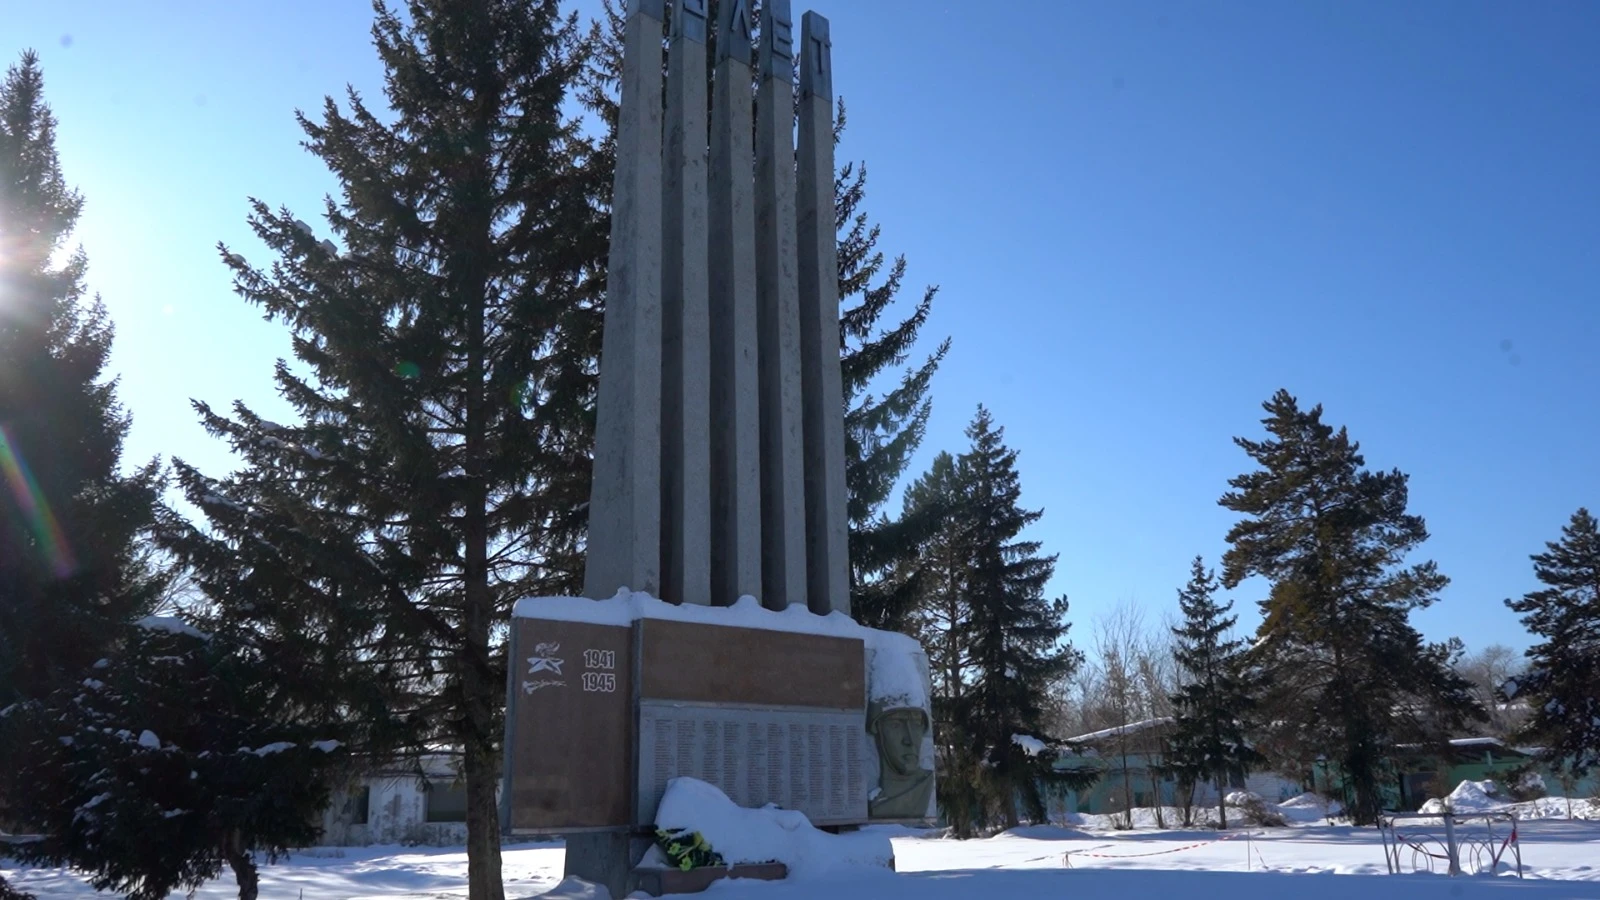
35	510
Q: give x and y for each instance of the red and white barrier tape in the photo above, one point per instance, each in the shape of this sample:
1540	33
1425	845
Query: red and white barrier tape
1066	858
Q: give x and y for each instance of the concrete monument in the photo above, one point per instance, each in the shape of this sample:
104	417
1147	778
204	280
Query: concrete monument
719	450
715	640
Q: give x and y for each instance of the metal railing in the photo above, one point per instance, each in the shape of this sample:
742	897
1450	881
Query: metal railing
1458	843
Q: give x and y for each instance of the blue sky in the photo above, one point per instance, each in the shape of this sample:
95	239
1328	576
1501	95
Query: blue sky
1145	217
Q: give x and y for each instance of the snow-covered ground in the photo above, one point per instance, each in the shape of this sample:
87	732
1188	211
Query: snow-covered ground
1561	860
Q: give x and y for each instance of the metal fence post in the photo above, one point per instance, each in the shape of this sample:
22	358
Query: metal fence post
1450	844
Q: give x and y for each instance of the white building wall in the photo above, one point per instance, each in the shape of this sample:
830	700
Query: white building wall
397	814
1269	786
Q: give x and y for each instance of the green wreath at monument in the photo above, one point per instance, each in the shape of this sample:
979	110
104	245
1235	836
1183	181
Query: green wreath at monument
687	850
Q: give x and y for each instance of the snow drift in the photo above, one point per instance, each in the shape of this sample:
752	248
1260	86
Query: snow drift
1469	796
768	834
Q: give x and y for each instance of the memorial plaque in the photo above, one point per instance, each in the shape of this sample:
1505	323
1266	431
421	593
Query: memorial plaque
724	705
750	666
808	760
570	726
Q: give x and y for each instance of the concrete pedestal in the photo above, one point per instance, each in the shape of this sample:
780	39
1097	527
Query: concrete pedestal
607	858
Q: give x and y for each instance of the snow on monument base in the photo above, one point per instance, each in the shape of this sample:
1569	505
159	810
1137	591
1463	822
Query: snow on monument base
768	835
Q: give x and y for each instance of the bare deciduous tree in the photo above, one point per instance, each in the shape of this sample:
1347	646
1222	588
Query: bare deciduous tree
1487	670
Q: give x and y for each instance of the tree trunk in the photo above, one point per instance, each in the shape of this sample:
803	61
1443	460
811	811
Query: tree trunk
479	688
482	764
483	825
1222	801
1127	784
1155	794
481	691
245	873
961	812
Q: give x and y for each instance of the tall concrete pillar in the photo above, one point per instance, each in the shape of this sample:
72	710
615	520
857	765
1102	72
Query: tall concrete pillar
735	389
686	326
827	519
624	547
783	544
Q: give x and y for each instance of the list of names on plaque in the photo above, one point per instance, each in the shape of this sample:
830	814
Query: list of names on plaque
852	753
775	761
756	754
733	737
710	757
663	758
817	762
837	787
798	787
797	759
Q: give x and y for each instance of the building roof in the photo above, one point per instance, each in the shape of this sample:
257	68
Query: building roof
1130	728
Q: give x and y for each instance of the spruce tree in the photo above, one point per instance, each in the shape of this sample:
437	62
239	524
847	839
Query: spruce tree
1348	674
884	424
996	643
444	388
1018	635
72	525
73	563
941	620
1208	740
1562	683
179	754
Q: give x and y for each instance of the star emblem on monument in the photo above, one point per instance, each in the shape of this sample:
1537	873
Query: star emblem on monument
545	662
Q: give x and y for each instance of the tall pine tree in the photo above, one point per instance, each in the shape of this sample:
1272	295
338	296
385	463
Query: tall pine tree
1562	684
1208	740
444	387
71	523
996	643
1349	676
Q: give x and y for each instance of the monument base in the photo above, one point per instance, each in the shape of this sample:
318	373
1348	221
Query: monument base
656	880
608	858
